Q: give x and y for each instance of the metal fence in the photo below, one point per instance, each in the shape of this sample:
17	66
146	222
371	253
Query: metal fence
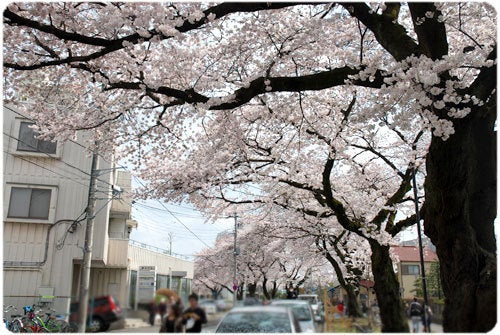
159	250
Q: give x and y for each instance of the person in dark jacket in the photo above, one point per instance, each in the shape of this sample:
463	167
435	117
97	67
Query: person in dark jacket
194	316
173	321
162	308
152	309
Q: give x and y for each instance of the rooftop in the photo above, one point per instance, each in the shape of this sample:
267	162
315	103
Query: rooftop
411	254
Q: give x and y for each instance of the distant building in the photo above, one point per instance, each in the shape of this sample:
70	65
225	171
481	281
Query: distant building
408	267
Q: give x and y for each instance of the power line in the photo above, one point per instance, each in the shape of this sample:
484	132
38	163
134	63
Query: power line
51	157
178	213
173	215
164	229
137	179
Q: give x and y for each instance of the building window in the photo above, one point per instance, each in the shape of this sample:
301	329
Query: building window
30	203
27	140
410	269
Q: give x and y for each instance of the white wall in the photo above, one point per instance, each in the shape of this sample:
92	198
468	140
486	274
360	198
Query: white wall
141	256
25	242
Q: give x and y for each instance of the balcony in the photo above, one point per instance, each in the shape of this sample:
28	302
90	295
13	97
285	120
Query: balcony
117	253
120	209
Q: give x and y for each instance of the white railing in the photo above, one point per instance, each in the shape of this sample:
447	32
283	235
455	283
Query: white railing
158	250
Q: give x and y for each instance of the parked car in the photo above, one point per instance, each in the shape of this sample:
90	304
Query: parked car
316	305
259	319
222	305
105	310
209	306
302	311
251	301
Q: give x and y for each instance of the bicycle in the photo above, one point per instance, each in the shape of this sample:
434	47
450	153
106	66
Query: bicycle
51	324
14	325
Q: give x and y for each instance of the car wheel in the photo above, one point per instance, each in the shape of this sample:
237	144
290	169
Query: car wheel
97	325
105	327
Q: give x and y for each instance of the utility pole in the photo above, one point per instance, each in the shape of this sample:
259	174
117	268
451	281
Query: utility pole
421	250
170	237
87	248
235	253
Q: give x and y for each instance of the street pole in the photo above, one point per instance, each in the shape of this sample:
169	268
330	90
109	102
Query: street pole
170	236
421	250
170	278
235	253
87	247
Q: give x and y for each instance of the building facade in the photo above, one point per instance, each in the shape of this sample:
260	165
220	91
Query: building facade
408	267
46	188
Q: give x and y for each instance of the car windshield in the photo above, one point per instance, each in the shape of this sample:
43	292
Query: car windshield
255	322
301	312
312	300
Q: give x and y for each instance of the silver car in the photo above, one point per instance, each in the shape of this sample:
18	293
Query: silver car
302	311
259	319
316	305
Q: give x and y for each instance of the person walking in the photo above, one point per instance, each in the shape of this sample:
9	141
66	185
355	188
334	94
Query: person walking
427	320
162	308
173	322
416	314
194	317
152	309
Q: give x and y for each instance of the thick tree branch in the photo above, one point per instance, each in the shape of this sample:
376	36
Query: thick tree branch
112	45
430	32
337	207
391	35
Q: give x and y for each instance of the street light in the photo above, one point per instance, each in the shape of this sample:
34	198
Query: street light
421	250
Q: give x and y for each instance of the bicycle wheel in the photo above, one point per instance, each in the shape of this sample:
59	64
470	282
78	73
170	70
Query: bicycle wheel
54	326
15	326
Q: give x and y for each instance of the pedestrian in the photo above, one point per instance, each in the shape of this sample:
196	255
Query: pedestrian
427	320
173	322
194	316
162	308
340	307
416	314
152	309
364	308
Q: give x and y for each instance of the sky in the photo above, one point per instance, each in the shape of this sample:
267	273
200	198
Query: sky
190	230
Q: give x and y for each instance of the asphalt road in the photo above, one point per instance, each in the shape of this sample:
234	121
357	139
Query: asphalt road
213	320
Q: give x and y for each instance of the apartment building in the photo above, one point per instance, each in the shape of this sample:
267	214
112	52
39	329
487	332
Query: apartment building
45	193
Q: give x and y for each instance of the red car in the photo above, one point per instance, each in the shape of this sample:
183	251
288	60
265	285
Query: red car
106	310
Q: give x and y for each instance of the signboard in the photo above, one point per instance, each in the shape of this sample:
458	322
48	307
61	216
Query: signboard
146	283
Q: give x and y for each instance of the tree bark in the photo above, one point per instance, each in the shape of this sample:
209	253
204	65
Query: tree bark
460	197
386	287
353	307
264	289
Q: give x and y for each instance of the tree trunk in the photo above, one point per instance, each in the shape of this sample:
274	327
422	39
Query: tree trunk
274	290
264	289
392	313
353	307
460	198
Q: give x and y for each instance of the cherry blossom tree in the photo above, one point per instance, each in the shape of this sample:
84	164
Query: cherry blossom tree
151	77
263	261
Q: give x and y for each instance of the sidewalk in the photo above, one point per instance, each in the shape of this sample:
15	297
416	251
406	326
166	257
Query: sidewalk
435	328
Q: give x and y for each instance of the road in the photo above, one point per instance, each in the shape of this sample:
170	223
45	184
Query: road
213	320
